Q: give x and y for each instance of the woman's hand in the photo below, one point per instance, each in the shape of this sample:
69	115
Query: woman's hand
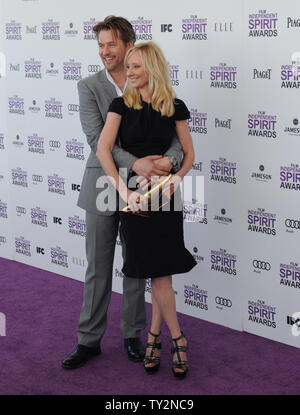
136	201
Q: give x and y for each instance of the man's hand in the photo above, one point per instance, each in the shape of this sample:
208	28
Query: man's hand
147	166
164	163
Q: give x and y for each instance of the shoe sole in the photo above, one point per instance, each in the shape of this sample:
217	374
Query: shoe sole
134	359
80	364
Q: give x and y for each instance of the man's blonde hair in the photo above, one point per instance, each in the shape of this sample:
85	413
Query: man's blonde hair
160	86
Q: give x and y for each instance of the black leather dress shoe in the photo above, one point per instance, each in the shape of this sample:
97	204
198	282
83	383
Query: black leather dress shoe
135	349
80	356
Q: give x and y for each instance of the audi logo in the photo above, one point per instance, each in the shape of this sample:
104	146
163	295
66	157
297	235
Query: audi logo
37	178
54	144
292	223
73	107
261	265
94	68
223	301
20	209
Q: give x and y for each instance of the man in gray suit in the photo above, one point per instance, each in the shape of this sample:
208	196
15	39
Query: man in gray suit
115	36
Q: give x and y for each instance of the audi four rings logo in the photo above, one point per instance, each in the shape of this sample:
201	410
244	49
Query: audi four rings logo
292	223
73	107
94	68
223	301
261	265
54	144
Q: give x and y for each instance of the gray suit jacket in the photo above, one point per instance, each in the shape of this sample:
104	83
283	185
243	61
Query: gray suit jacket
96	93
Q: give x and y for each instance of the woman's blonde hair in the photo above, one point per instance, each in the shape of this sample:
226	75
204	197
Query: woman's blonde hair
160	86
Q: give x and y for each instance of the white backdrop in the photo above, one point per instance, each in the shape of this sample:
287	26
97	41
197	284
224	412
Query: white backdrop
230	61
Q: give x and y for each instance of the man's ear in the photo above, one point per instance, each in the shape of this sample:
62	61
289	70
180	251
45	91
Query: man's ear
130	44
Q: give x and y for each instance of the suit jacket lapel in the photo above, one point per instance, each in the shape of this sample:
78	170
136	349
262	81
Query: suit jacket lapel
106	86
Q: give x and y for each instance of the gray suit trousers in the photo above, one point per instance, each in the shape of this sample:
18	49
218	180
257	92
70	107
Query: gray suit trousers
100	249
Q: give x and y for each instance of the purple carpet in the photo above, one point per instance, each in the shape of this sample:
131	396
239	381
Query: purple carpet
42	311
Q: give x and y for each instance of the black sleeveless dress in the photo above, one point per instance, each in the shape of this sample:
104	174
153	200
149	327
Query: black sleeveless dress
154	246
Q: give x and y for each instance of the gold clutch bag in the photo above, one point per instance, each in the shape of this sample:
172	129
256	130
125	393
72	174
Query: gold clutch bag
156	200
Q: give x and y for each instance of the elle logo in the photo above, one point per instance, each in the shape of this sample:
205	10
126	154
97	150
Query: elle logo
2	325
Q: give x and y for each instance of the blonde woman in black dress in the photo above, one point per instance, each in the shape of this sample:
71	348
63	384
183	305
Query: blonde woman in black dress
146	118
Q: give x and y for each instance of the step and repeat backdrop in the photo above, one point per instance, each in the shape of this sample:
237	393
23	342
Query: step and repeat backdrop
236	64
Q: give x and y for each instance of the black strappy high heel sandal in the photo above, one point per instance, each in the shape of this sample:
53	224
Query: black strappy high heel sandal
152	359
179	363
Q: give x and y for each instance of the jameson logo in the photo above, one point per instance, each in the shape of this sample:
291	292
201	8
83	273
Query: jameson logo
290	76
197	122
13	31
262	125
195	297
263	24
34	109
56	184
16	105
88	33
77	226
36	144
3	210
2	147
17	142
222	219
59	257
53	108
290	177
223	171
142	28
22	246
71	32
39	217
19	177
72	70
290	275
223	76
33	69
197	258
223	261
194	28
261	313
295	130
50	30
195	212
74	150
261	221
261	176
174	74
52	71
